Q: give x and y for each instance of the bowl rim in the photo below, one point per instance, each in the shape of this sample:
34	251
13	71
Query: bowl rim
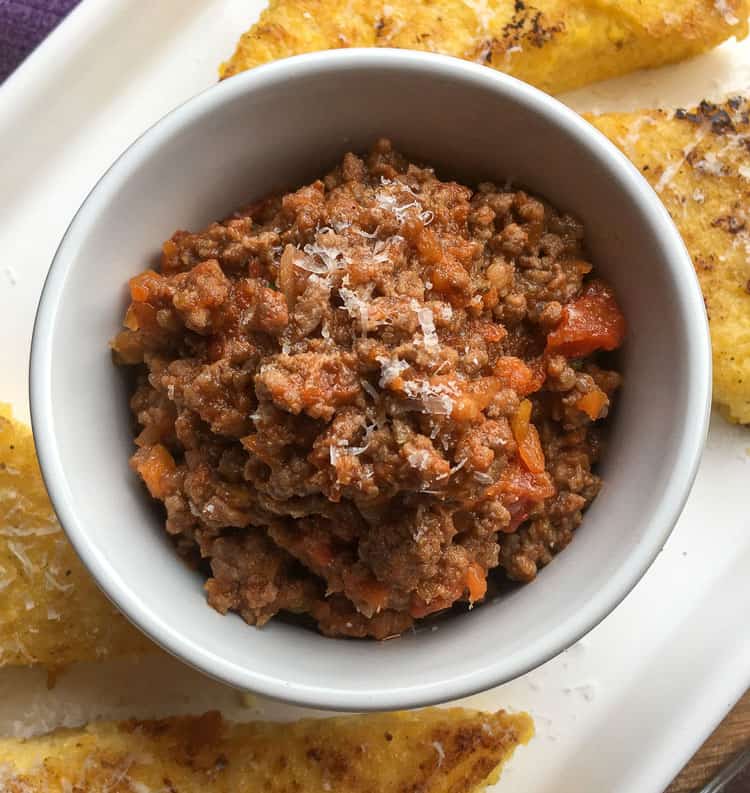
460	683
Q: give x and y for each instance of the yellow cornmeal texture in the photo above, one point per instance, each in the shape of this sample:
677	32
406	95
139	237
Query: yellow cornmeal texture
431	751
698	161
556	45
51	612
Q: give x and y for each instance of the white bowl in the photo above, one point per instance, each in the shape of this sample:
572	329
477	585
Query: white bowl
278	126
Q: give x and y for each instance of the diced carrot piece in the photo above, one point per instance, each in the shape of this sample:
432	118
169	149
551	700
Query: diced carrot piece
475	399
593	403
527	438
491	332
592	322
131	321
490	298
421	608
520	421
155	466
530	451
374	594
583	267
476	582
140	285
141	316
169	251
518	375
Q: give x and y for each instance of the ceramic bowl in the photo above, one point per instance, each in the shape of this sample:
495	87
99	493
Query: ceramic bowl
278	126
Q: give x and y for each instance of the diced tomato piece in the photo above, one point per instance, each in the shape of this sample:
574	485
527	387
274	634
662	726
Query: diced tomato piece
592	322
516	482
593	403
519	511
518	375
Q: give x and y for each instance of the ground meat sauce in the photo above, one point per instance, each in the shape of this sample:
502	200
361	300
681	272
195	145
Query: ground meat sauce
358	399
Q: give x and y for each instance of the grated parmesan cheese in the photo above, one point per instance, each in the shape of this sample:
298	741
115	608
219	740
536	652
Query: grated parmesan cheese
17	531
22	649
370	390
436	399
634	132
671	170
356	306
726	11
341	225
455	468
342	448
55	584
446	312
332	257
440	752
389	202
310	266
390	369
483	478
427	324
419	459
710	164
20	553
510	52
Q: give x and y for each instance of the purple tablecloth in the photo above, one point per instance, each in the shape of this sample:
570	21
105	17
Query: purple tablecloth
23	24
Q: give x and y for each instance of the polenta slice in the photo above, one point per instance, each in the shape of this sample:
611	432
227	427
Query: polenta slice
698	161
51	612
556	45
431	751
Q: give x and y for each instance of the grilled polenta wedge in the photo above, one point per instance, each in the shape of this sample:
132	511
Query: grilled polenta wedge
51	611
556	45
698	161
432	751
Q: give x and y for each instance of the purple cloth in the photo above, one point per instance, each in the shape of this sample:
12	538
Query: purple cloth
23	25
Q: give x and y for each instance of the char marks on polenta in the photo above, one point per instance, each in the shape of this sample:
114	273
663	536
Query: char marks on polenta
51	611
698	161
556	45
431	751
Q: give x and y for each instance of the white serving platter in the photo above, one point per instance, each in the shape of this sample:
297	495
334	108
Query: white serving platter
622	710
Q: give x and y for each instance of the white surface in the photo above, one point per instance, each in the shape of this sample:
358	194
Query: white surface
624	709
283	124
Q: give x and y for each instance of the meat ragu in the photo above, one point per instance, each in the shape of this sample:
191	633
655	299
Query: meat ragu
359	399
